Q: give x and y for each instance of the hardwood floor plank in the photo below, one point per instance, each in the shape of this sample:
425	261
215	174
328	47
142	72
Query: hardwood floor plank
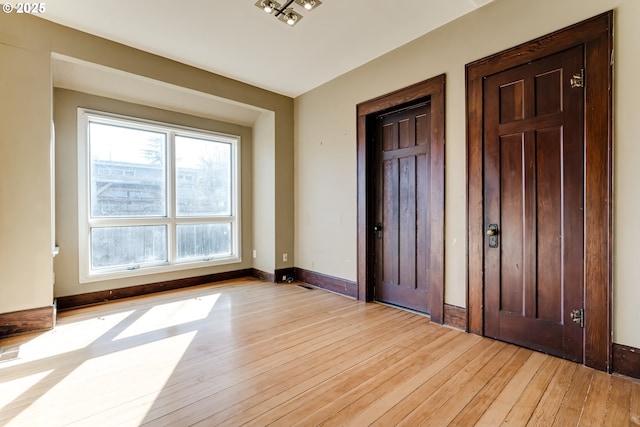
478	405
595	406
247	352
400	411
233	356
197	384
619	403
378	401
330	403
574	399
505	401
425	411
335	387
634	409
431	358
549	405
457	402
523	408
260	384
247	410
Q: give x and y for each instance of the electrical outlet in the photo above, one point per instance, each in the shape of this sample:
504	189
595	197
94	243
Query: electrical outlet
255	253
285	257
284	278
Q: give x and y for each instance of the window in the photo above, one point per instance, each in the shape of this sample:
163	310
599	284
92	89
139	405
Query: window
154	197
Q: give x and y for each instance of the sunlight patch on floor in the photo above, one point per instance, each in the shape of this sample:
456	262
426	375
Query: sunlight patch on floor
102	397
9	389
171	314
69	336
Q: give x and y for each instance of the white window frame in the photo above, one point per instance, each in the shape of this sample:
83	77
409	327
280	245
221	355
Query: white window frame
171	220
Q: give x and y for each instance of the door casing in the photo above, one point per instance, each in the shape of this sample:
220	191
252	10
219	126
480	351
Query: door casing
433	90
596	37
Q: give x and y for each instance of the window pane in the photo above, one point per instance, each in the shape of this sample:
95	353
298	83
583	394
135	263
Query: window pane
128	246
128	171
201	241
203	177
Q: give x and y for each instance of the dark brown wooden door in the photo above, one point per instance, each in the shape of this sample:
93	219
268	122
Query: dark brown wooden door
534	193
402	245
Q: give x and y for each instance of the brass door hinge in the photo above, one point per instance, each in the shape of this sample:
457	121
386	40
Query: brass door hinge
578	316
578	79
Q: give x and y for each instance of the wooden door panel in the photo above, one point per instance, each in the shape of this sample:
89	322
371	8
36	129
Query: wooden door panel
511	101
390	235
407	221
511	223
423	225
550	281
548	87
534	191
402	276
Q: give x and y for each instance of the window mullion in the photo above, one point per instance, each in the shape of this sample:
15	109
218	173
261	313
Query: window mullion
125	222
205	220
171	202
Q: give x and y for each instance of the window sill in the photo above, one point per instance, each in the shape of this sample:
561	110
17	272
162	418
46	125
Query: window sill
161	269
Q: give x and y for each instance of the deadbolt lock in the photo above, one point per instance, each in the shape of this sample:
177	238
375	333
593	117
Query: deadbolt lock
492	232
378	230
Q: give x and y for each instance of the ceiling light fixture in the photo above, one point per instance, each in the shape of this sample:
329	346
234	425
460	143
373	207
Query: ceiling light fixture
307	4
268	6
290	17
284	12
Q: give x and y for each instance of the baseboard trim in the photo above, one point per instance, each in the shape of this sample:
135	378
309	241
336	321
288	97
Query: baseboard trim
24	321
330	283
626	360
263	275
455	316
91	298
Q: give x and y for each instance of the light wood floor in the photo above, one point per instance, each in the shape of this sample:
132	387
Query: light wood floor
252	353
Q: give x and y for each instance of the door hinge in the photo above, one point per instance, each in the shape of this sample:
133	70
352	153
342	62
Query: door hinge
578	316
578	79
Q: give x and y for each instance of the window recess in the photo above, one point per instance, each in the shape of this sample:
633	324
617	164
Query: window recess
154	197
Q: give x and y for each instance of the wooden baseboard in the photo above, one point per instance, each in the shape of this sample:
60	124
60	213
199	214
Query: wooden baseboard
455	316
330	283
24	321
91	298
263	275
626	360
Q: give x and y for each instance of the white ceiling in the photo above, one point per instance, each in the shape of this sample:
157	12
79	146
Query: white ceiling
236	39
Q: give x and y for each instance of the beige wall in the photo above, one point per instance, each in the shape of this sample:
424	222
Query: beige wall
325	138
27	44
26	267
66	105
264	222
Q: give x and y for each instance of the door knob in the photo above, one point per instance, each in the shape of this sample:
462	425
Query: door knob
491	232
